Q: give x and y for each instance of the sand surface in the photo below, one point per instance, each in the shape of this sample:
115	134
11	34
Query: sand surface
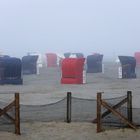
46	88
72	131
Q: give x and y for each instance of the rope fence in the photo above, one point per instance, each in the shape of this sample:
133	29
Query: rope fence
100	111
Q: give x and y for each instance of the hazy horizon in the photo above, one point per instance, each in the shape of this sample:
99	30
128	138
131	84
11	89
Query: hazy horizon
108	27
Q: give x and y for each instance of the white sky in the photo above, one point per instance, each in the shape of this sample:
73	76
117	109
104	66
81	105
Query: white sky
111	27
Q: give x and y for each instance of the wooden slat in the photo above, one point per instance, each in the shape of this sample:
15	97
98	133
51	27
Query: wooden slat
114	107
7	108
17	114
16	121
8	116
129	106
115	112
99	123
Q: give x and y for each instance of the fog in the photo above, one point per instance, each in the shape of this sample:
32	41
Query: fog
110	27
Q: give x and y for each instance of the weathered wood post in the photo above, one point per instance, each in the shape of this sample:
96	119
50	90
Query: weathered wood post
129	106
68	107
99	125
17	114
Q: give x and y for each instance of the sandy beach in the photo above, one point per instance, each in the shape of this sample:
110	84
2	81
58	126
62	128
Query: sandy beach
64	131
46	88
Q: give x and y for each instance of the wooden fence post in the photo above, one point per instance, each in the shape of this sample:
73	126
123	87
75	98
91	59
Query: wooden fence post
68	107
17	114
129	106
99	125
